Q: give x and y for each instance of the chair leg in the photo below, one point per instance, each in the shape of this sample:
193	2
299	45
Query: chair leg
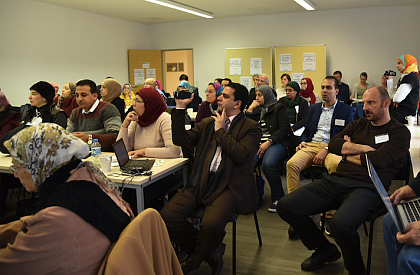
323	222
257	227
234	247
369	259
365	227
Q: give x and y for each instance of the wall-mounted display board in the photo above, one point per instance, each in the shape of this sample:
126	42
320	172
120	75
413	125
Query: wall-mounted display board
242	63
143	64
301	61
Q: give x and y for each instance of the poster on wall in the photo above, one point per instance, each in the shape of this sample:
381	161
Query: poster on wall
286	62
138	76
309	61
235	66
146	65
255	66
151	73
246	81
298	77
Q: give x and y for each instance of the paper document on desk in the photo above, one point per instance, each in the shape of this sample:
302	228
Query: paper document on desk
299	131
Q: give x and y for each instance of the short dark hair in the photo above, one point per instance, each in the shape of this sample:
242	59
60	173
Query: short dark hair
228	79
364	74
219	80
240	93
183	77
338	72
336	83
88	82
286	75
383	93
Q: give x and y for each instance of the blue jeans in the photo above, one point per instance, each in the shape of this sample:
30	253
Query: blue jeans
400	258
272	165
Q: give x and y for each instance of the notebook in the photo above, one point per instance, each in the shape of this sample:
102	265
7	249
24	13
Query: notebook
404	213
128	165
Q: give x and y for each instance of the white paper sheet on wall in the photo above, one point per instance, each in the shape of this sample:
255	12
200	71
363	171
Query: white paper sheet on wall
286	62
151	73
255	66
138	76
246	81
235	66
309	61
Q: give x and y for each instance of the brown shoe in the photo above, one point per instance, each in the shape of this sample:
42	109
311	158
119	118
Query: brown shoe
215	260
187	265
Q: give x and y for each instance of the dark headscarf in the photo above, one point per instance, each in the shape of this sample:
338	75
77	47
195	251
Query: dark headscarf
269	99
154	106
309	92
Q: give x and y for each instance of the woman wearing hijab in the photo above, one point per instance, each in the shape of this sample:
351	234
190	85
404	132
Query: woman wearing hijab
110	92
147	132
297	109
9	115
406	96
210	106
276	141
67	101
43	108
307	90
127	94
64	235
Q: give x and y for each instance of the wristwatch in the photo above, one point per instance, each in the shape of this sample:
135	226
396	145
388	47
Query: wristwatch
89	142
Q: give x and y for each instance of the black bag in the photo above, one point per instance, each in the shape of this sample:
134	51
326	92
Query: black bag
26	207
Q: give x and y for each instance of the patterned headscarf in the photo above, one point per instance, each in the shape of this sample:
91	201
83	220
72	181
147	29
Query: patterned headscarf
186	85
114	88
44	148
154	106
410	63
218	88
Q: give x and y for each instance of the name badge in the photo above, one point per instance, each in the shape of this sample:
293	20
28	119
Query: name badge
381	138
340	122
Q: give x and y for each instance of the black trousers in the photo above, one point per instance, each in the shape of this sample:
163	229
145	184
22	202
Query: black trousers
354	201
198	244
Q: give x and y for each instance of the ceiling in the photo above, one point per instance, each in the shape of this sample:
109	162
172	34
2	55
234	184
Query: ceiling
147	13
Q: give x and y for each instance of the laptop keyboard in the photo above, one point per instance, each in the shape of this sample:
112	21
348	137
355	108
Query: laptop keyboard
411	210
140	164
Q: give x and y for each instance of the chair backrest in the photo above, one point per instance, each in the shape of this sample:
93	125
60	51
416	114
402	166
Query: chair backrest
406	171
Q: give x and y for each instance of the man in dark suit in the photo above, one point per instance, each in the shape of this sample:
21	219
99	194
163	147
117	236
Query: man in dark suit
325	120
222	178
195	103
344	90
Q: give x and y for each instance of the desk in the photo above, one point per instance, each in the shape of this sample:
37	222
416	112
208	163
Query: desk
139	182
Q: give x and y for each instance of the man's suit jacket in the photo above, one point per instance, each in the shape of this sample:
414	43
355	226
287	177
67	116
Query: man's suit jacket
241	180
341	111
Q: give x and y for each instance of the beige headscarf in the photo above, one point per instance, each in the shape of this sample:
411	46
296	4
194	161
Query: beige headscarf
44	148
114	89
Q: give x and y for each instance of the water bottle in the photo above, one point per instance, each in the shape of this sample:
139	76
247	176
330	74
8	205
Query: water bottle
96	152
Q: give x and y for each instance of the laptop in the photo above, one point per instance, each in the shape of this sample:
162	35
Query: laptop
406	212
126	164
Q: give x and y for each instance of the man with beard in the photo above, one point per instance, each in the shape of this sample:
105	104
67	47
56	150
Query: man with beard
350	189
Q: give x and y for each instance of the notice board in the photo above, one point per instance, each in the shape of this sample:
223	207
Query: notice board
308	60
244	56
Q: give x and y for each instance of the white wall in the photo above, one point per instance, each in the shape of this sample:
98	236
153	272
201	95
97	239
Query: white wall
45	42
357	40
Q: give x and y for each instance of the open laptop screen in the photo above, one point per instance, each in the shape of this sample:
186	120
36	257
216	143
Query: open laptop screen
120	152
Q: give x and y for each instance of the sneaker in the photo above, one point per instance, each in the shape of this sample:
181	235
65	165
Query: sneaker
328	227
273	207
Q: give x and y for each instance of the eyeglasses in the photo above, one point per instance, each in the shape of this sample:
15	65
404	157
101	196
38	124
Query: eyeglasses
209	91
14	168
289	90
303	83
138	101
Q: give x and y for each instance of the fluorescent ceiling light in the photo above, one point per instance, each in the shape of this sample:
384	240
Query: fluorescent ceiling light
182	7
306	4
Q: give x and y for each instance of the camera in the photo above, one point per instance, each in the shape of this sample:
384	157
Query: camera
390	73
182	94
